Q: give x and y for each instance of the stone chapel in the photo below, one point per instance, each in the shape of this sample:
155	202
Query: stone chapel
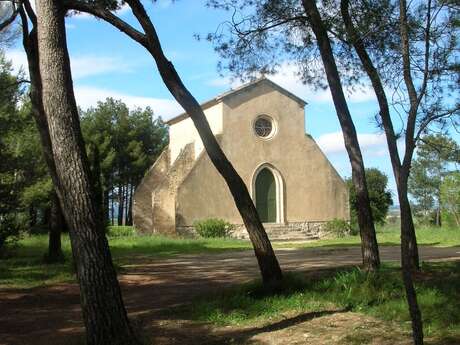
261	128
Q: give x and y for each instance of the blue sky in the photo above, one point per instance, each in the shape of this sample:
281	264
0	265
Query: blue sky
105	63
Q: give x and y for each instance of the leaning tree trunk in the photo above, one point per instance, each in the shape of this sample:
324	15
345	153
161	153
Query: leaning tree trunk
409	252
121	201
56	225
104	314
407	222
399	170
369	247
30	43
409	257
268	263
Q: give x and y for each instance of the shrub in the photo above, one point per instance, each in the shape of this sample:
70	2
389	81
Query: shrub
121	231
9	230
338	227
212	227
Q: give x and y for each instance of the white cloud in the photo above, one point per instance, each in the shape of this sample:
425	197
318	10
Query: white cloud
88	96
88	65
82	65
371	144
286	77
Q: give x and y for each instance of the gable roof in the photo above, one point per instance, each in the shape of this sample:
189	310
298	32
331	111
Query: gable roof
233	92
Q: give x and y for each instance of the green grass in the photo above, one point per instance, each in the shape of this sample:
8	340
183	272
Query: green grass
24	268
377	294
390	236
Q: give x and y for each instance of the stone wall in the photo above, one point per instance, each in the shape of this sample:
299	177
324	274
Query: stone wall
164	195
290	231
142	201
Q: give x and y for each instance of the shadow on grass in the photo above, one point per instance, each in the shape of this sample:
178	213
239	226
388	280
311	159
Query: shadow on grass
33	272
378	294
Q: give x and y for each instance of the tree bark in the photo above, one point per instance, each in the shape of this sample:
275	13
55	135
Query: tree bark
30	43
268	263
129	212
409	259
399	171
112	209
56	225
32	216
106	206
409	251
104	314
120	204
369	247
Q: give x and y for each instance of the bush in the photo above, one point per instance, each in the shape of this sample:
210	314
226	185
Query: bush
338	228
9	230
121	231
212	227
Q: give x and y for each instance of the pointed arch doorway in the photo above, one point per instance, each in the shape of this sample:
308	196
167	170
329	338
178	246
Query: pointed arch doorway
267	187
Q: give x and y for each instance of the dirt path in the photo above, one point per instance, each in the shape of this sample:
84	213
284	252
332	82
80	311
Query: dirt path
51	315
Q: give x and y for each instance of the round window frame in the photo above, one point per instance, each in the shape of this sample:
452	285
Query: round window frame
272	121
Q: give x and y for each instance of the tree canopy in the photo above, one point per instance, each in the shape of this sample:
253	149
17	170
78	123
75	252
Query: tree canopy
379	194
437	155
128	142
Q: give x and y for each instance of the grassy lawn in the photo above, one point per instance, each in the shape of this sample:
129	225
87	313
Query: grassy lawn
390	236
23	266
380	295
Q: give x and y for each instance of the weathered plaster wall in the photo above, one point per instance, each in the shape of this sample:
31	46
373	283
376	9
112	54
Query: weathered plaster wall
312	188
184	132
164	195
142	201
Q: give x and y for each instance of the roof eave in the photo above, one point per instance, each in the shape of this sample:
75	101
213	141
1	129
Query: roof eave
229	93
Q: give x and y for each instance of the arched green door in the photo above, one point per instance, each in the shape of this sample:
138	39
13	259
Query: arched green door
266	196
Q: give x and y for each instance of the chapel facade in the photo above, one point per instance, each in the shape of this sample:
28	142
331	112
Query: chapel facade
261	128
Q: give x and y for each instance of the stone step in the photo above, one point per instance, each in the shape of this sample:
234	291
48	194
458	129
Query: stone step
286	232
287	235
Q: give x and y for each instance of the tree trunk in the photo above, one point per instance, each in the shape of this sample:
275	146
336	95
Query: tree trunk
407	223
409	251
106	206
96	181
120	204
104	314
112	209
369	247
438	215
32	217
30	43
46	217
269	266
268	263
407	226
129	213
55	228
